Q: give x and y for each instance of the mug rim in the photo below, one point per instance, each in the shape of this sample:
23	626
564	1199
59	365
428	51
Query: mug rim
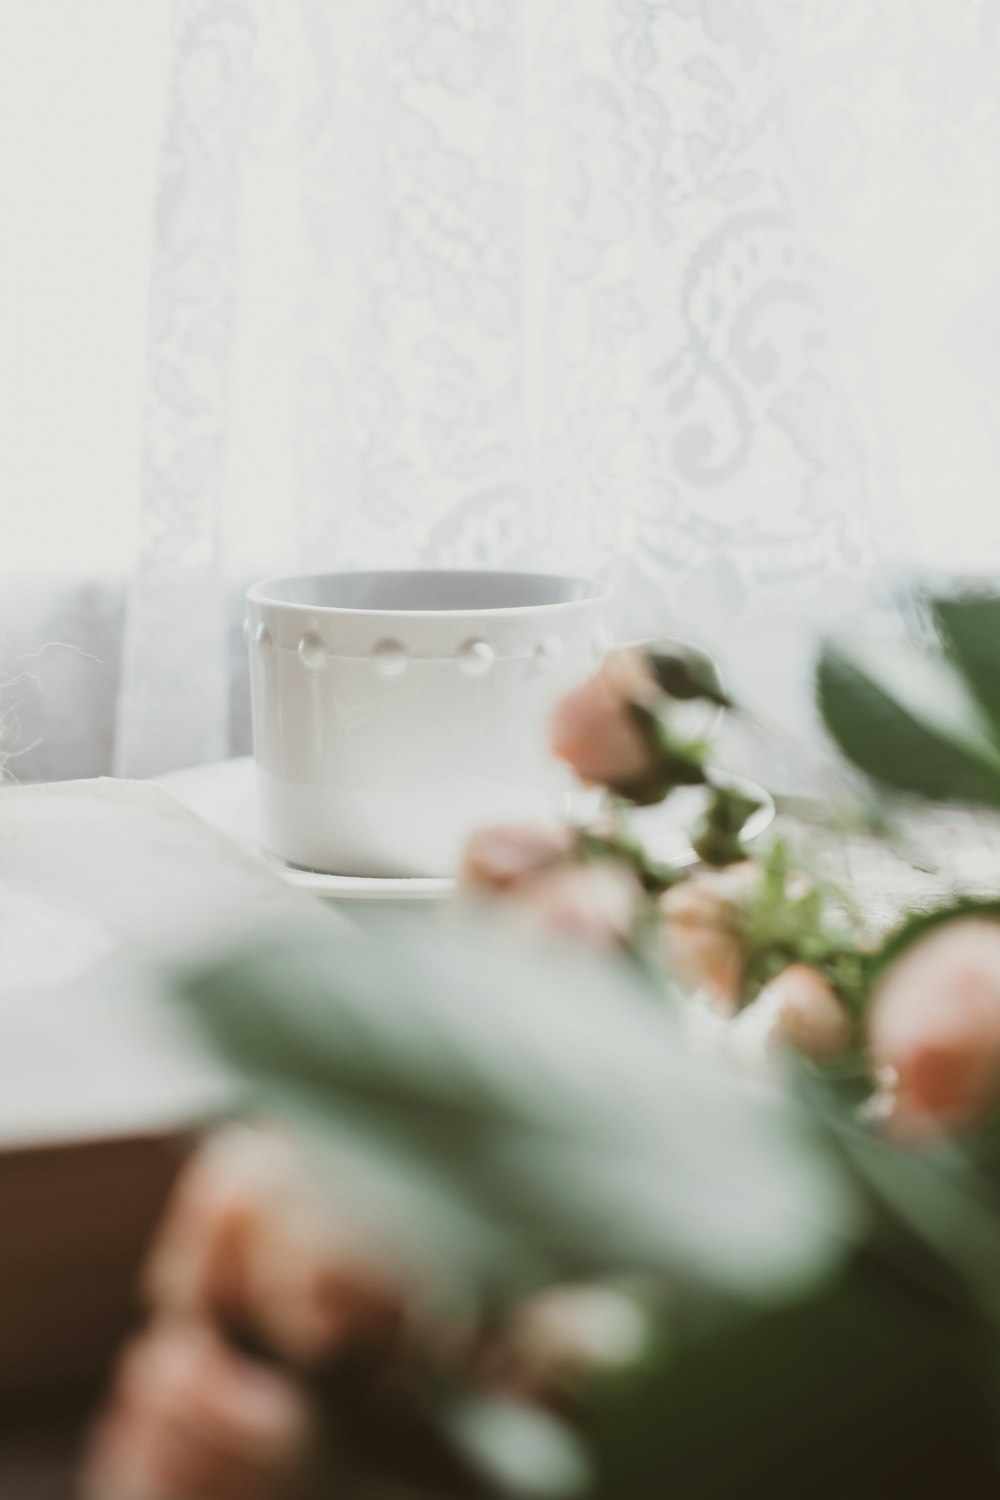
596	591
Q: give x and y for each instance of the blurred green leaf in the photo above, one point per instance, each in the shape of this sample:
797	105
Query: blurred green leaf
524	1448
969	625
907	720
517	1115
867	1389
880	1382
935	1199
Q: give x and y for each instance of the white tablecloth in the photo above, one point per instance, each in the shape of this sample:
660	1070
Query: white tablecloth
101	882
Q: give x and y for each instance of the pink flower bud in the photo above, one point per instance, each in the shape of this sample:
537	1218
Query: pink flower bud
249	1238
594	730
804	1012
191	1419
497	859
591	903
702	934
935	1020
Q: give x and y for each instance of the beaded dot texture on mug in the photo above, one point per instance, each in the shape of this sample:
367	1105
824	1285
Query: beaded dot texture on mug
263	638
389	658
476	658
312	652
548	651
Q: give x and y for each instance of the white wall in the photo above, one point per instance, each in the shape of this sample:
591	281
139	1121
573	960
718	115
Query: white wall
81	96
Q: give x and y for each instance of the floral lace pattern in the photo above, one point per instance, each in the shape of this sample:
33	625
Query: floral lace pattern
522	282
172	704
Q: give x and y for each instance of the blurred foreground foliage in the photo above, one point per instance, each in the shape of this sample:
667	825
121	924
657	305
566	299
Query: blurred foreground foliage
822	1307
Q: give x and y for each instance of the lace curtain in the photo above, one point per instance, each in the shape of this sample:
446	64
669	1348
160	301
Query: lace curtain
700	295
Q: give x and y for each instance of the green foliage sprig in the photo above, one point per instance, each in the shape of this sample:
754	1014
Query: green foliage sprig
796	916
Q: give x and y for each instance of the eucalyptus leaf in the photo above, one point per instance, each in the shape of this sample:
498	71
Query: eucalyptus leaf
908	721
548	1094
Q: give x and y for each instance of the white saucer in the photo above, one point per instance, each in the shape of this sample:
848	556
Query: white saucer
224	795
661	830
364	887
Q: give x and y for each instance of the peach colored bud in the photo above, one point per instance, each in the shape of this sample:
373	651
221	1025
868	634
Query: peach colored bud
702	937
804	1011
496	859
191	1419
935	1020
249	1238
591	903
594	731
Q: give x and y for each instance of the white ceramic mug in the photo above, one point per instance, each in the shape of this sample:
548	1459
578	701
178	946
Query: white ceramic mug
393	713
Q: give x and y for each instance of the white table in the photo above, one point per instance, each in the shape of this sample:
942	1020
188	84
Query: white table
99	882
102	883
225	795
